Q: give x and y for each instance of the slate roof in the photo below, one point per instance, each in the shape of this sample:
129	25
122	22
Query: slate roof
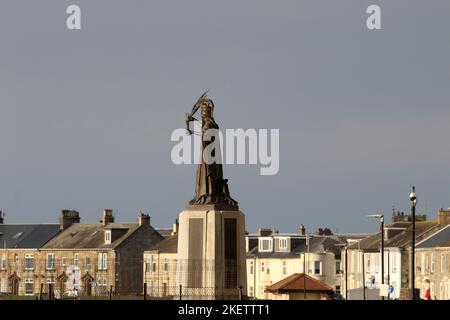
168	245
317	244
296	282
438	239
90	236
401	239
26	236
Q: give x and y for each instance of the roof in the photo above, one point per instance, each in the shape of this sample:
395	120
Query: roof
26	236
438	239
90	236
168	245
296	282
317	244
165	232
401	238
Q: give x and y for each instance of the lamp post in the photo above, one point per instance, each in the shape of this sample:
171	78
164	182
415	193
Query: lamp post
413	198
381	217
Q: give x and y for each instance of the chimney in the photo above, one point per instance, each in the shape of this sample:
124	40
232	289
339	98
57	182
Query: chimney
444	217
107	217
144	219
302	230
265	232
67	218
2	217
175	227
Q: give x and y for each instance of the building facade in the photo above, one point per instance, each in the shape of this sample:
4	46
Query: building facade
89	258
273	256
433	266
20	266
364	257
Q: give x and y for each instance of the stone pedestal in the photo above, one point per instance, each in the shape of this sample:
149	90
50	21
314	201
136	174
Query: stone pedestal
211	261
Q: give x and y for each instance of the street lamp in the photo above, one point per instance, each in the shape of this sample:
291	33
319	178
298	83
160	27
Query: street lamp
413	198
381	217
345	246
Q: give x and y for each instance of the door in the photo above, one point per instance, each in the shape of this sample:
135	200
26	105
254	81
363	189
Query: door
14	286
88	286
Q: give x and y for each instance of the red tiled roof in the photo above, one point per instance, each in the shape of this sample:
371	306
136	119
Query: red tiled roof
296	282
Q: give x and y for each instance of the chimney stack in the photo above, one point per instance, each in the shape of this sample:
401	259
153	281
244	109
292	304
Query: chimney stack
2	217
68	217
175	227
302	230
144	219
107	217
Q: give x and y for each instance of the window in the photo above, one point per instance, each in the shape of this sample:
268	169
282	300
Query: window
88	262
422	262
317	267
265	244
75	259
3	263
252	267
283	267
107	236
283	243
29	261
262	266
16	261
154	266
268	268
99	261
442	263
165	265
251	291
63	261
394	263
105	261
338	267
432	262
29	286
310	267
147	264
50	261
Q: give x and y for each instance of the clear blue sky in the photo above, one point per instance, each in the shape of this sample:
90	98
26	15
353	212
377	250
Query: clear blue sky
86	116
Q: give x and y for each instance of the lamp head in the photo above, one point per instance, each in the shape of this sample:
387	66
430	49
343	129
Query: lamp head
413	196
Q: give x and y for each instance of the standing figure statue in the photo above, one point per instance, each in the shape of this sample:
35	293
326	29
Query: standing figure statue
210	186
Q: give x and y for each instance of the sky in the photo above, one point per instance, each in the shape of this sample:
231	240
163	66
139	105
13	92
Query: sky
86	115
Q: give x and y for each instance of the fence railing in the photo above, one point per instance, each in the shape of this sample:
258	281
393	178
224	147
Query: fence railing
148	277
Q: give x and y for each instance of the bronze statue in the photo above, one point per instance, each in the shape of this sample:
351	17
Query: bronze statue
210	186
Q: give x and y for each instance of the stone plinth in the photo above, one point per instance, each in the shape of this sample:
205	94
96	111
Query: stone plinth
211	260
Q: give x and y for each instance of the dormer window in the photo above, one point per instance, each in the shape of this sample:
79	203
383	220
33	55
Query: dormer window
283	244
265	244
107	236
